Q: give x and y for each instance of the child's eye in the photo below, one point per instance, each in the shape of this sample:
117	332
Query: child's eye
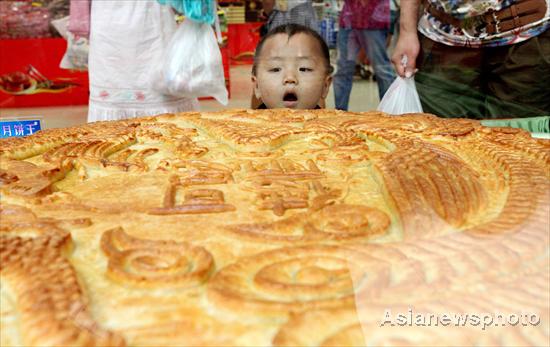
274	69
305	69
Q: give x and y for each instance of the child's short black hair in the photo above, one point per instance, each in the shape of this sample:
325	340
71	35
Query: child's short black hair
291	30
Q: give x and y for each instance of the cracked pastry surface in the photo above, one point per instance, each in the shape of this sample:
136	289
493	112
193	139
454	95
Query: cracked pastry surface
272	227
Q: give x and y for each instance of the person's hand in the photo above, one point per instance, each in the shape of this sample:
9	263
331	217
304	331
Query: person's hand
407	45
263	16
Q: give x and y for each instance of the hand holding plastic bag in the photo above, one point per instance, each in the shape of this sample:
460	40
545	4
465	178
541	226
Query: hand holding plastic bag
401	97
192	64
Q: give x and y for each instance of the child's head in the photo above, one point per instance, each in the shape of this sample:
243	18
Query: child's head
291	68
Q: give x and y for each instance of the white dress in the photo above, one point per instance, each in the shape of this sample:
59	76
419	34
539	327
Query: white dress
126	40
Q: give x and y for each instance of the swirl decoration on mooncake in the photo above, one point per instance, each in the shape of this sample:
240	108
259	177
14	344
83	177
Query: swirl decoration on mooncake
154	263
348	221
295	279
52	307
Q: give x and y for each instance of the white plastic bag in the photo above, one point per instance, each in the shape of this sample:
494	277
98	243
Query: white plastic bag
76	55
191	65
401	97
61	25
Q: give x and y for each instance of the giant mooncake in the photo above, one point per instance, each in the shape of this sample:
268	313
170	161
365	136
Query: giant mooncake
274	227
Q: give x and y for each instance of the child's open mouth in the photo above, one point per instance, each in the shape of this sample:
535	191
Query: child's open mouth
290	99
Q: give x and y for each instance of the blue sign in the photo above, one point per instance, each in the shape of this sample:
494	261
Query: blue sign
19	128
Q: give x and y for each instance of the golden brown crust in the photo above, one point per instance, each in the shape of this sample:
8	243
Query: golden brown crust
140	262
272	227
431	184
295	279
15	218
324	222
51	303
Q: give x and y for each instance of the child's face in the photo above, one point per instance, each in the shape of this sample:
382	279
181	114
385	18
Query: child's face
291	73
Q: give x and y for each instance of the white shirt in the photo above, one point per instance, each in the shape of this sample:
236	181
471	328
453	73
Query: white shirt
126	41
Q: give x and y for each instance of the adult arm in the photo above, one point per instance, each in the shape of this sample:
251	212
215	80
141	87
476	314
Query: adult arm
407	43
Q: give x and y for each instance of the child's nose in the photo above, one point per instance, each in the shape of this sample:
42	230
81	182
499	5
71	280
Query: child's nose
290	77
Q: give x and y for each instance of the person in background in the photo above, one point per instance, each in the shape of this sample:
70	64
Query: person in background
394	21
280	12
126	40
477	59
291	68
363	23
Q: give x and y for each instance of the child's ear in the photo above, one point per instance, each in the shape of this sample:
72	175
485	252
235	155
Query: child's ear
255	88
326	85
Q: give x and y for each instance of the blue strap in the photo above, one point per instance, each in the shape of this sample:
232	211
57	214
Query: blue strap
203	11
